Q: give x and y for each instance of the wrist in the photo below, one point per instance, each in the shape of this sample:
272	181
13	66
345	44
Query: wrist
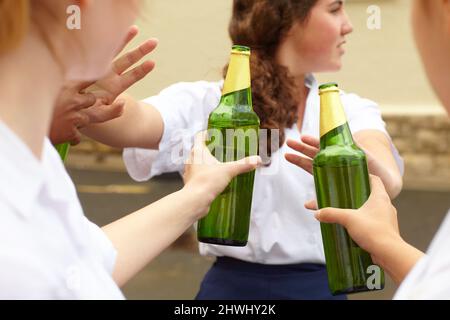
386	248
399	259
197	200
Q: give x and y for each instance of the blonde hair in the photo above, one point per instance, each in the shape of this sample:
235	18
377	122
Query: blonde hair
14	22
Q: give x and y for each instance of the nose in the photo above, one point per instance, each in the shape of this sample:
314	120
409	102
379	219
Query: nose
347	26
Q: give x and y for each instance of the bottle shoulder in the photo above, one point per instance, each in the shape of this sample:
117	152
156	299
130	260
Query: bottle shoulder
233	115
338	155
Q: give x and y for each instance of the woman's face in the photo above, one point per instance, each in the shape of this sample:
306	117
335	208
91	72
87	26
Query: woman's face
104	25
317	45
431	26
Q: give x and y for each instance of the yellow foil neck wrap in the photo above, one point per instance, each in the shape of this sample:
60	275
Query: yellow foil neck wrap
238	75
332	113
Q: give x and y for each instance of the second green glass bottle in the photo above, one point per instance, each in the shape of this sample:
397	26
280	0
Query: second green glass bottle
342	181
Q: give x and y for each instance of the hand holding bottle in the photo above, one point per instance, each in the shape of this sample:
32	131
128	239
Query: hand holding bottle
205	177
373	226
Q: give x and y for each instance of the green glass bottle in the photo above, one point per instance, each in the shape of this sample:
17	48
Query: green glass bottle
233	133
63	150
342	181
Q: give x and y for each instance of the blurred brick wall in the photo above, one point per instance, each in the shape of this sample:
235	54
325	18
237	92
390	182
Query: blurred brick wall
424	143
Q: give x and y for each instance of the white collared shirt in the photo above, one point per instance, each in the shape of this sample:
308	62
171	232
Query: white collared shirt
430	277
48	248
282	231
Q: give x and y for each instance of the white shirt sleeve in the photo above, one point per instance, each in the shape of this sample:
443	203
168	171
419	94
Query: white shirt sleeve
103	245
364	114
28	271
184	108
25	278
430	277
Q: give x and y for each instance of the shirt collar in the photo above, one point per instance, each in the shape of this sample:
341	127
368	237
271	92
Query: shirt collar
310	81
21	173
310	115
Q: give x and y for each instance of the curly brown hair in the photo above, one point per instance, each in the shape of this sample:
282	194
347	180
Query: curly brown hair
13	23
261	25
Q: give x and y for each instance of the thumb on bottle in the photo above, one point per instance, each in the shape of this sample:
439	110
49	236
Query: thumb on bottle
244	165
333	215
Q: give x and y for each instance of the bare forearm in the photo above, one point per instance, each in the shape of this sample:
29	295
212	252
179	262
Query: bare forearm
390	176
381	160
140	126
142	235
398	258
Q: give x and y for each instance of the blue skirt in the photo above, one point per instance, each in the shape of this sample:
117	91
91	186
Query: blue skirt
232	279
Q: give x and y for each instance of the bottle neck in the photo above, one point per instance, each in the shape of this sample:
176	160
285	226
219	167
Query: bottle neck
237	86
334	129
338	136
241	99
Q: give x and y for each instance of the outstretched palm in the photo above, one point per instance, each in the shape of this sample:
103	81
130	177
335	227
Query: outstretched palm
118	79
81	104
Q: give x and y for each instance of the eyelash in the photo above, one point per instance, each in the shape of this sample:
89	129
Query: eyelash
336	10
